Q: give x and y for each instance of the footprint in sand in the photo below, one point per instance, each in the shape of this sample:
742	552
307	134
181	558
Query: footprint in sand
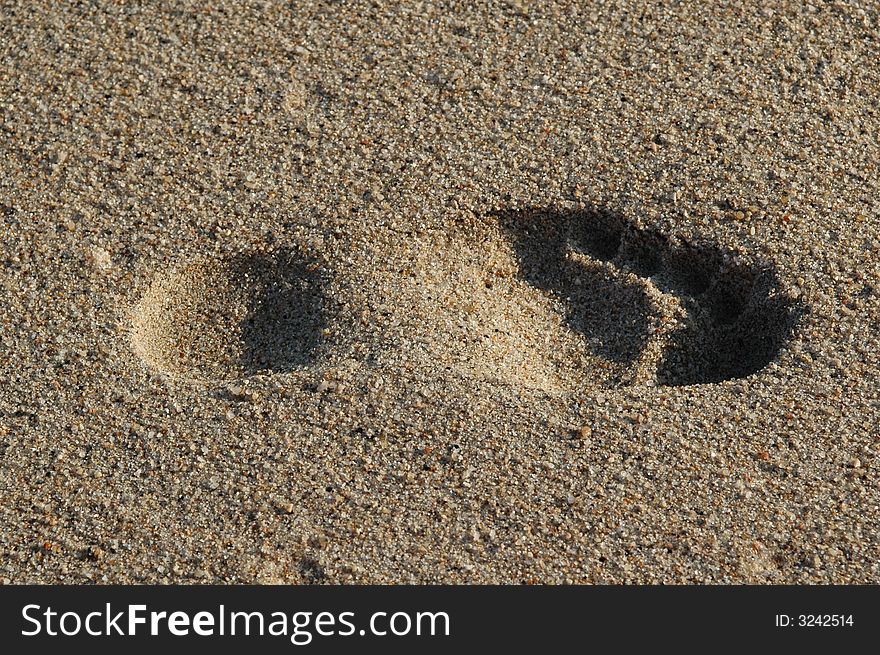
673	312
637	307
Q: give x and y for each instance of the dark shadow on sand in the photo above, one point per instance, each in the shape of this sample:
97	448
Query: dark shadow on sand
738	317
287	312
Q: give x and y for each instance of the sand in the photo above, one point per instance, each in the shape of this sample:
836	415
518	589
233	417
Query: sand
420	292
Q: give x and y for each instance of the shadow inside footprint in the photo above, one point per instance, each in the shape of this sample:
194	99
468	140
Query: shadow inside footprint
735	335
286	311
612	314
737	316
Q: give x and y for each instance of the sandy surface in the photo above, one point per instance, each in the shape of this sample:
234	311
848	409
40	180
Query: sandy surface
471	292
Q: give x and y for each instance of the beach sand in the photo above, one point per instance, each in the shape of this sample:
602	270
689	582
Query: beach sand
428	292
